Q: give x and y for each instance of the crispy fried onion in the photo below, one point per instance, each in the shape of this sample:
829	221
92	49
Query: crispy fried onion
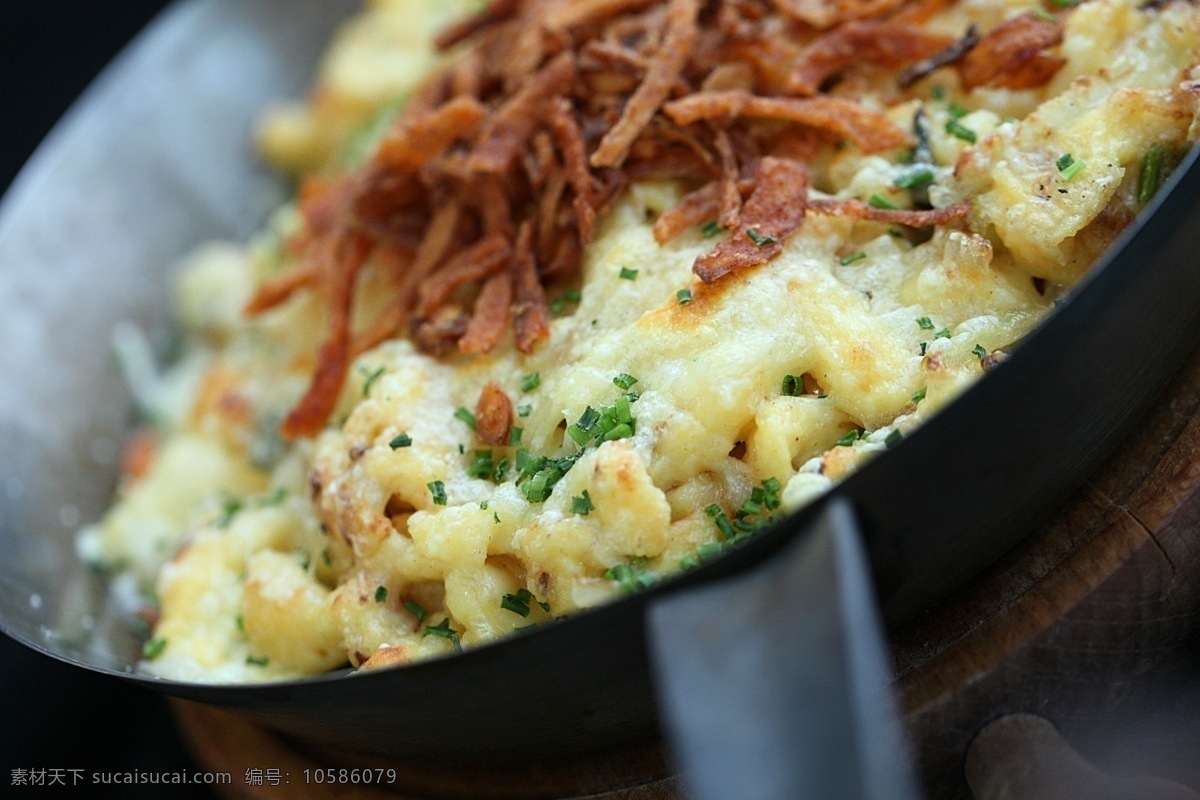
886	44
1011	57
487	187
858	210
772	213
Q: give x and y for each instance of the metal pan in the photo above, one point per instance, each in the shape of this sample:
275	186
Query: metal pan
153	160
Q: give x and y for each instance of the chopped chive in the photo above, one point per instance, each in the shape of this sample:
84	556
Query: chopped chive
938	92
1042	13
958	130
1068	166
466	416
628	274
444	631
374	376
878	201
1151	174
631	577
403	440
153	649
956	111
622	431
559	304
893	439
483	506
380	594
240	621
438	490
849	438
582	505
722	522
501	471
524	411
495	518
792	386
895	234
232	506
979	351
416	609
257	662
925	323
482	465
859	256
759	239
514	434
711	229
531	381
924	347
1064	3
914	179
944	333
918	395
518	603
625	380
326	559
685	296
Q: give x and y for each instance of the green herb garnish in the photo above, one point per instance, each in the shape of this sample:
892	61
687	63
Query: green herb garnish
628	274
380	594
403	440
893	439
685	296
979	351
257	662
438	490
960	131
524	411
153	649
918	395
374	376
625	381
632	576
582	505
517	603
1150	177
466	416
848	260
792	386
711	229
878	201
416	609
914	179
444	631
531	381
849	438
1068	166
925	323
759	239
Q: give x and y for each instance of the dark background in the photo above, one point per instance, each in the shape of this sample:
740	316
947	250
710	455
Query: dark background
53	715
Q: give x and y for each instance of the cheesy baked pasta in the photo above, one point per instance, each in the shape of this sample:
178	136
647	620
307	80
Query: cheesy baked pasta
576	294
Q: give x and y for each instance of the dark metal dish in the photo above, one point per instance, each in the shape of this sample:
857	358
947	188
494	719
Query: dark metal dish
127	184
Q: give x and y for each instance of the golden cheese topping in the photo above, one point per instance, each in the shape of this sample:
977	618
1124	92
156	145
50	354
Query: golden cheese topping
663	417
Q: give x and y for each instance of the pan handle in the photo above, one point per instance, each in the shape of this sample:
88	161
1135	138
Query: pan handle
774	684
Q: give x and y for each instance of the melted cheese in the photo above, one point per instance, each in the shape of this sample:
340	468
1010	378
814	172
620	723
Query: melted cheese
286	561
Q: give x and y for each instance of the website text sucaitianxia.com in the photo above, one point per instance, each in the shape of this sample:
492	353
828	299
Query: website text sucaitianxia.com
253	776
